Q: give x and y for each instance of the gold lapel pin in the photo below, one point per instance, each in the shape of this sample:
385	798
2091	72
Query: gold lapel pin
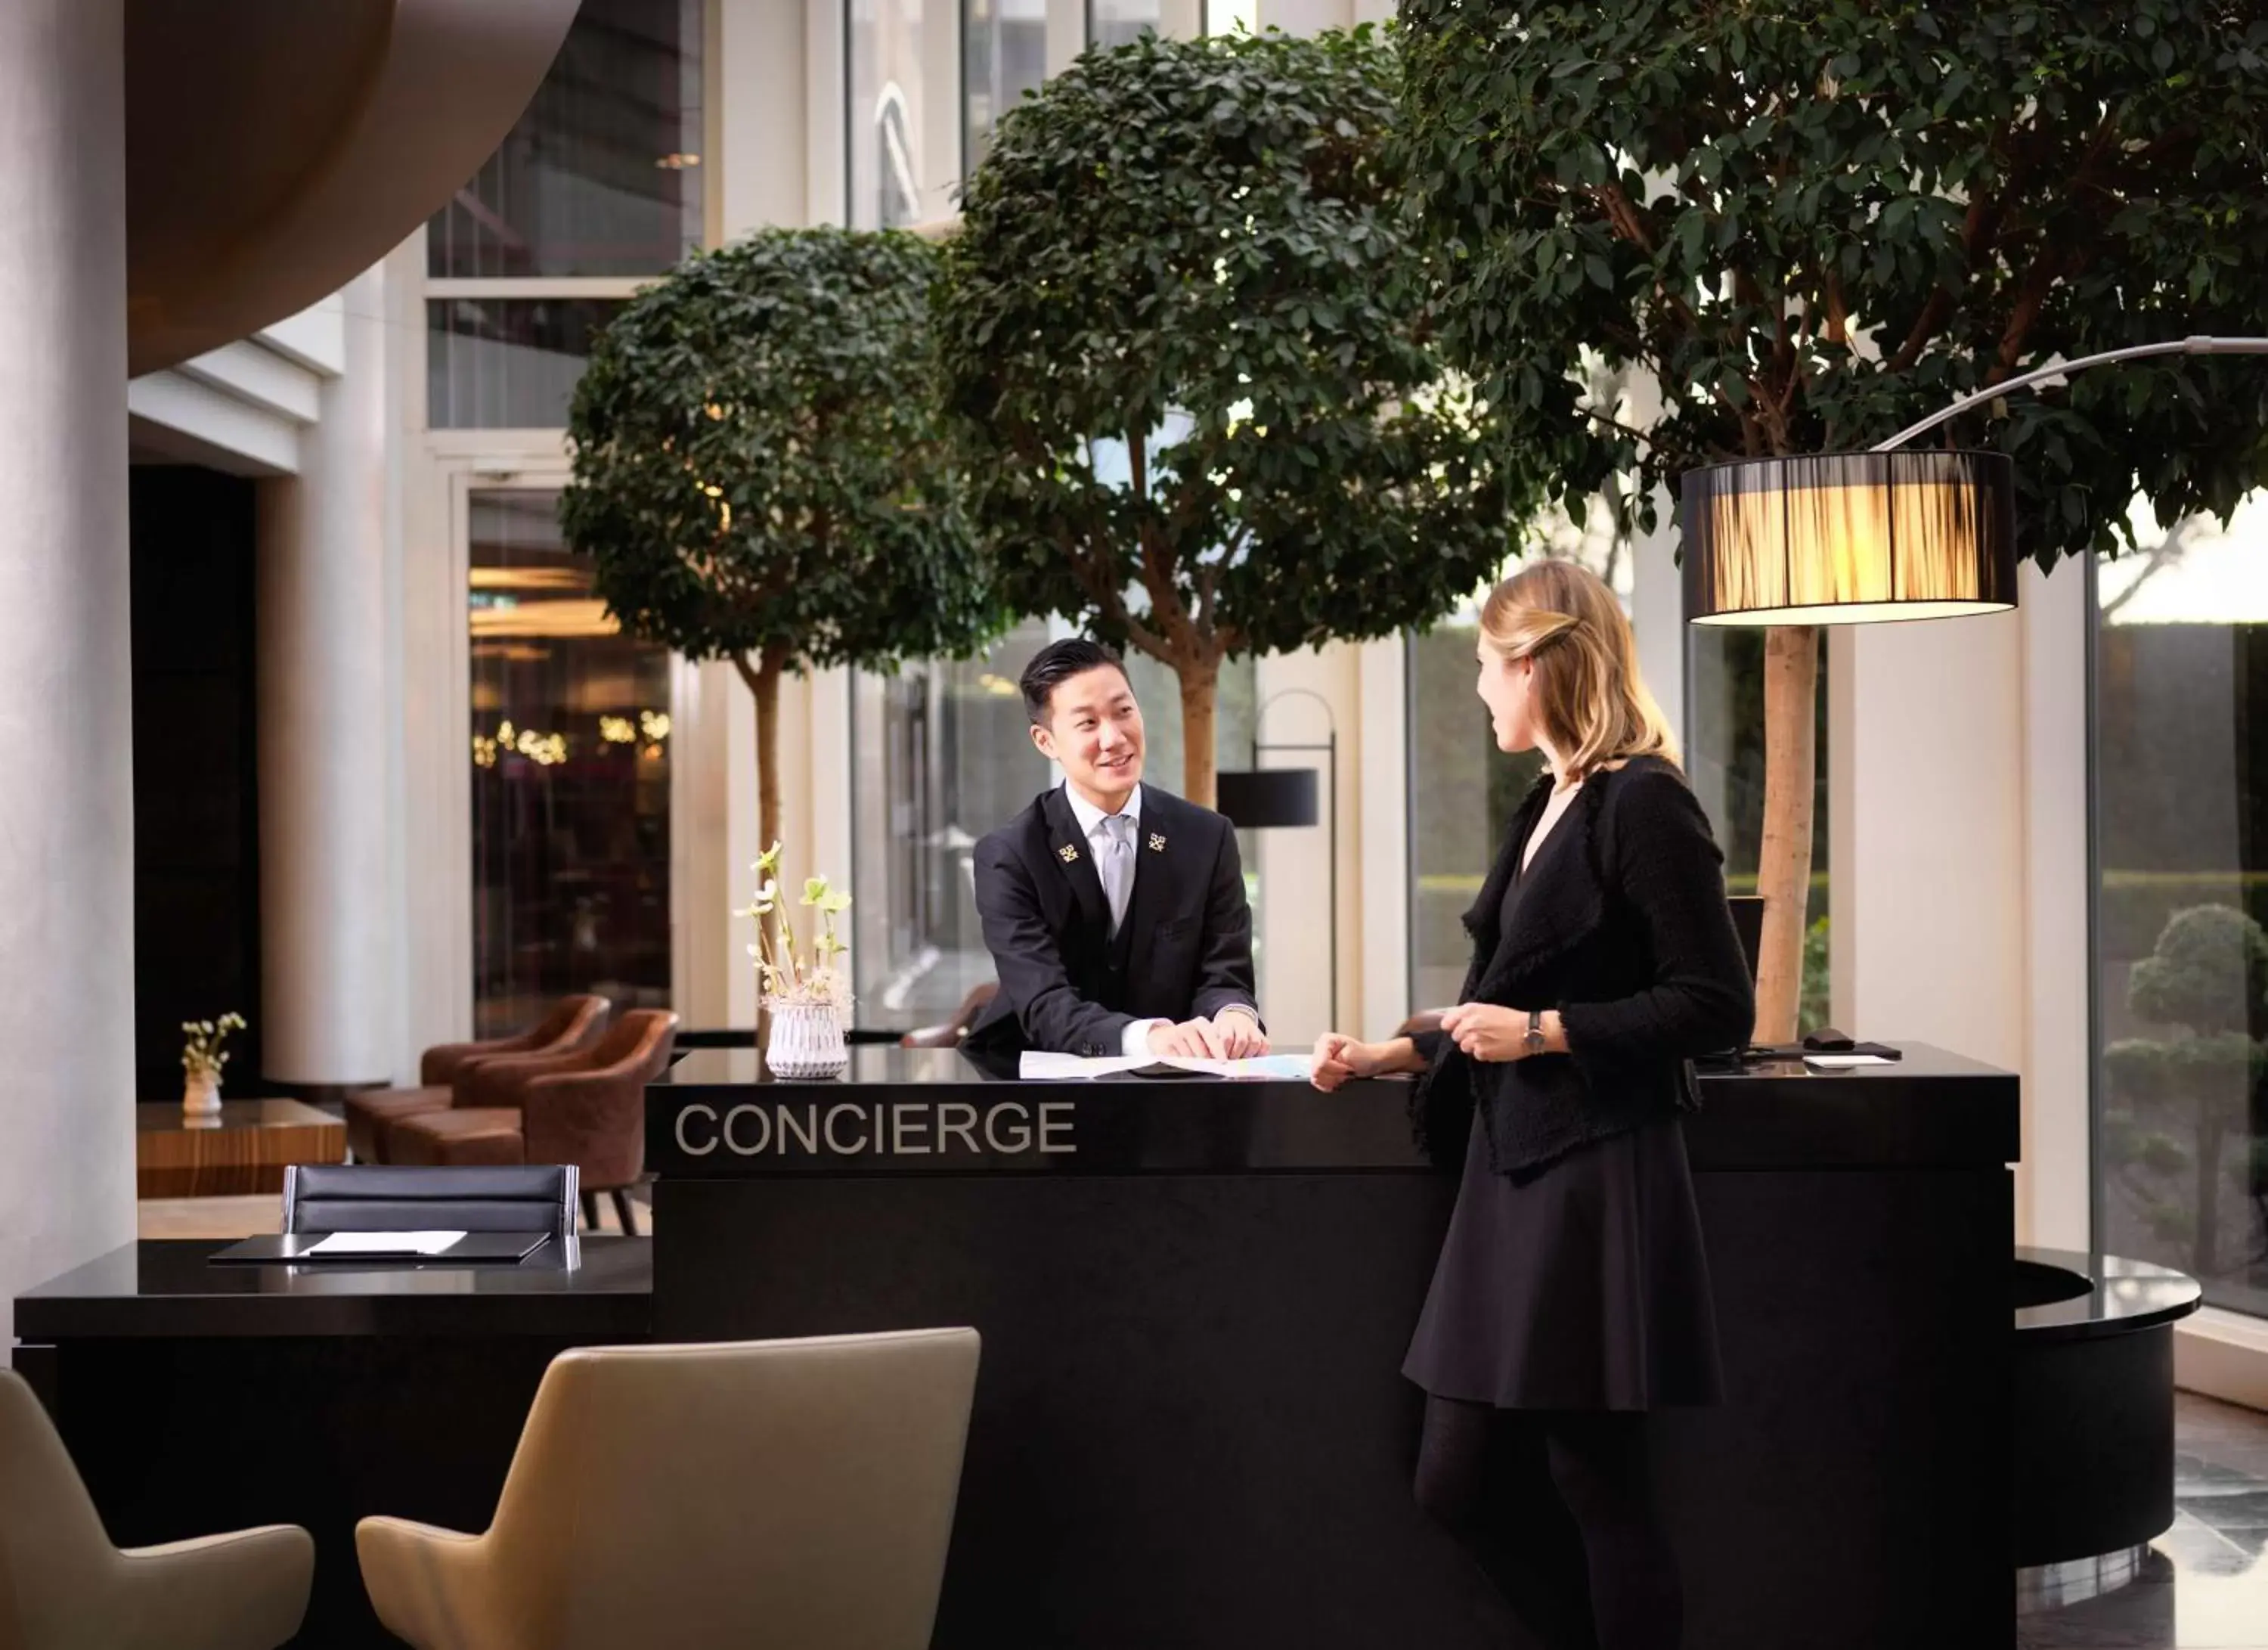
1157	843
1067	853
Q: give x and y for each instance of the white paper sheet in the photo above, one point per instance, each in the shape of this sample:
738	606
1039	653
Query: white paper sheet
385	1243
1041	1065
1836	1062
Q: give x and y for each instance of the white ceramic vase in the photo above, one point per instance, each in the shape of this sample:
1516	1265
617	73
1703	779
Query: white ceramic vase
201	1095
806	1041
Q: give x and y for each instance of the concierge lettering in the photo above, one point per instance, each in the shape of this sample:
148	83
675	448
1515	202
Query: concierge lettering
845	1127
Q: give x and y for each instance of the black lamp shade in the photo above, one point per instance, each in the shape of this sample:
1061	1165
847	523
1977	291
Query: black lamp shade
1260	798
1849	538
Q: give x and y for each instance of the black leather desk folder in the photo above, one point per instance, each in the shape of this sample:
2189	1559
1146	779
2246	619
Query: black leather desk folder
295	1249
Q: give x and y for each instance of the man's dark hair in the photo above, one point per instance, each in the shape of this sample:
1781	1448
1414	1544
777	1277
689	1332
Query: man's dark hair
1056	663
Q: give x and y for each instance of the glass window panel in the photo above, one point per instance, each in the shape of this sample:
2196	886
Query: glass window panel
507	364
1004	54
601	174
1115	22
888	168
570	778
943	755
1225	16
2181	817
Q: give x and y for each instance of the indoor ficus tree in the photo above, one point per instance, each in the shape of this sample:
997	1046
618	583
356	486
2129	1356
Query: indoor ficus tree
1813	224
1186	338
759	473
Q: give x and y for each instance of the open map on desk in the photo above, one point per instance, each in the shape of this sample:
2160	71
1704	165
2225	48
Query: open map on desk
386	1243
1279	1068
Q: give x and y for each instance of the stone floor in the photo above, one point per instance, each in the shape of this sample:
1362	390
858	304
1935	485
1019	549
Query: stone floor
2206	1586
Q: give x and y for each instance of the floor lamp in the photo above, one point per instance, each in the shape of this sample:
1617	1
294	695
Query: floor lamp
1270	799
1893	533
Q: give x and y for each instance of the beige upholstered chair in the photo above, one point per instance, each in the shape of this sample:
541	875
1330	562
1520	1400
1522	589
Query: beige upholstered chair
679	1498
64	1586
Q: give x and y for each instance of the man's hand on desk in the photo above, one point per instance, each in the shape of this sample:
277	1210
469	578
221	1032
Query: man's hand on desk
1232	1034
1239	1033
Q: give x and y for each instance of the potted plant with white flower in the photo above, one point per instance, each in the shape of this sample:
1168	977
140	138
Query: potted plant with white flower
805	992
201	1059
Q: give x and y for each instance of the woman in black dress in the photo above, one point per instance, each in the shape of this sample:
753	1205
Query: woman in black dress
1572	1295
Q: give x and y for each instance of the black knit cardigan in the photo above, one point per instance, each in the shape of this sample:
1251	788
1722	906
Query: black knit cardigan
1630	940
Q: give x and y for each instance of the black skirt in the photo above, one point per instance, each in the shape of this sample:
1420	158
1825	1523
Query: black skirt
1581	1285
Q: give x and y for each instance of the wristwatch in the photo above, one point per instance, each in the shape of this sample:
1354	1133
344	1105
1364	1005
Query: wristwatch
1533	1042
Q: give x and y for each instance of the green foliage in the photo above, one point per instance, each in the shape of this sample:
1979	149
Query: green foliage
1814	1004
1190	347
1817	222
2206	973
759	472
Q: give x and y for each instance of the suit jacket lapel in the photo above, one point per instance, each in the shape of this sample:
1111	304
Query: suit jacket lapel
1074	857
1154	876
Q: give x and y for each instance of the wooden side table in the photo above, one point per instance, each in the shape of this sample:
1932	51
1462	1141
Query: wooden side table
241	1150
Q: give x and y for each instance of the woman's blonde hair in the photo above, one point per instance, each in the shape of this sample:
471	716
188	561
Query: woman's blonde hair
1587	690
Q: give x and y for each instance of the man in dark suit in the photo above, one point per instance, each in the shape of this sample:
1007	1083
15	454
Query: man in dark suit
1115	913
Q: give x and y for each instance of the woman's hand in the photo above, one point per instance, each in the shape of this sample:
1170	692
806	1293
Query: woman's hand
1486	1031
1339	1056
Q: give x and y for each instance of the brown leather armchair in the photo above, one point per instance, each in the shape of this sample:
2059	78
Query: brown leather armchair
371	1115
948	1033
571	1021
586	1107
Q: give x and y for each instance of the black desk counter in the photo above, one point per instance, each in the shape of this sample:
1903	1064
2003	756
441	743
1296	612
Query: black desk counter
168	1288
1191	1430
1190	1427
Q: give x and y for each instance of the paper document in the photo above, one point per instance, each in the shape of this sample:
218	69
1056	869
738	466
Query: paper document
1281	1068
385	1243
1836	1062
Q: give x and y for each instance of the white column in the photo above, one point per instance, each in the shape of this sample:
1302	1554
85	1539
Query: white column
66	721
1296	865
2054	1199
1927	872
327	924
1379	933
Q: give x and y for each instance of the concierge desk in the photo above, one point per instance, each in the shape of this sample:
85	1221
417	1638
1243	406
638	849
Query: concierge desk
1190	1427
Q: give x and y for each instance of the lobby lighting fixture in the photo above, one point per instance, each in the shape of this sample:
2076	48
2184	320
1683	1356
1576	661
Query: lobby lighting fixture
1852	538
1842	538
677	160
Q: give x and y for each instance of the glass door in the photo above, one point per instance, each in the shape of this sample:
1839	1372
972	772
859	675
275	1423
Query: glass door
570	758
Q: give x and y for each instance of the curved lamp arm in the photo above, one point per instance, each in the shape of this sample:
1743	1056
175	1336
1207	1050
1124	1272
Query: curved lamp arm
2198	343
1260	711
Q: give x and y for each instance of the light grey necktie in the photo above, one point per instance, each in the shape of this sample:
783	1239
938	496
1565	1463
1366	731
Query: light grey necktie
1117	865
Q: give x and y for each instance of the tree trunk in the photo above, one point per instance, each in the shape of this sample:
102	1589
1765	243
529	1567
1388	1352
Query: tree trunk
764	679
1783	857
1200	692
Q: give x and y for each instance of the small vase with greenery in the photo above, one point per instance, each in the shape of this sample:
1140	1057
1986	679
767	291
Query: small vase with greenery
806	995
202	1056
